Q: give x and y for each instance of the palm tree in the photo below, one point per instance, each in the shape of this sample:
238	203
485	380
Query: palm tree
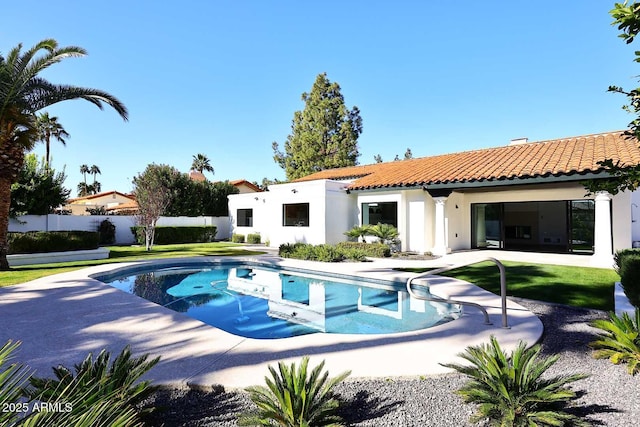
23	93
49	127
83	188
95	187
202	163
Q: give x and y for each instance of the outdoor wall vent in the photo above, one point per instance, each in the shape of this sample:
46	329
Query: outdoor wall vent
518	141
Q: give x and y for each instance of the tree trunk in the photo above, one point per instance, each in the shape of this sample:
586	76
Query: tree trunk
11	160
5	203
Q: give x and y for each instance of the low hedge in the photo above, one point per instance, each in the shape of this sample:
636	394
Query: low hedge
52	241
628	267
173	235
374	250
253	238
353	251
237	238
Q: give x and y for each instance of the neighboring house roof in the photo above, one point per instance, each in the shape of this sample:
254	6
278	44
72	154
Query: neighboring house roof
554	158
196	176
81	200
243	182
124	208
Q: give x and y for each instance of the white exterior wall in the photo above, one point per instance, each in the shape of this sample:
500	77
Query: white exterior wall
123	224
635	217
331	212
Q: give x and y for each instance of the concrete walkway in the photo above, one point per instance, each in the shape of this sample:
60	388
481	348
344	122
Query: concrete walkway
61	318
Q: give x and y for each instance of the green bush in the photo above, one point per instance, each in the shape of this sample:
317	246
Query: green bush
354	251
628	267
173	235
113	389
513	391
295	397
253	238
374	250
107	231
52	241
619	340
237	238
13	376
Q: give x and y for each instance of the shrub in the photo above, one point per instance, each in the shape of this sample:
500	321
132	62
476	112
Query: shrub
295	398
359	232
12	378
375	250
100	389
253	238
327	253
237	238
107	232
52	241
619	340
512	391
628	267
172	235
387	233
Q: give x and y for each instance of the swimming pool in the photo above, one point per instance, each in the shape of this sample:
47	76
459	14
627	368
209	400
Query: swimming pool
257	301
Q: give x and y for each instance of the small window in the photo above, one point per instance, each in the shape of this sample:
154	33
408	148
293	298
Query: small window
295	215
245	217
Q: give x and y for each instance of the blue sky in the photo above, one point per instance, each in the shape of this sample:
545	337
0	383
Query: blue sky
223	78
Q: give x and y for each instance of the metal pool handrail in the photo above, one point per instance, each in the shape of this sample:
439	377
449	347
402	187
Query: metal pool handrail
503	289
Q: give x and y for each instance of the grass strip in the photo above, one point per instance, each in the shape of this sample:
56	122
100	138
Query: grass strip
575	286
26	273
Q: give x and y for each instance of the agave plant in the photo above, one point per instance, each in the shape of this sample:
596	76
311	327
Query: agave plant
292	397
619	340
511	391
98	388
12	378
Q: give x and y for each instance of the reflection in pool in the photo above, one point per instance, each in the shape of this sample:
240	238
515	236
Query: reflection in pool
260	302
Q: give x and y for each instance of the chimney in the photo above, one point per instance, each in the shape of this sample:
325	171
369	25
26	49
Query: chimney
518	141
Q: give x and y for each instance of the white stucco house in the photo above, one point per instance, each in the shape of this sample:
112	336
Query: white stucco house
522	196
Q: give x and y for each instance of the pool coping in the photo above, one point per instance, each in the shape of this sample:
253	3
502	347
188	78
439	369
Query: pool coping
61	318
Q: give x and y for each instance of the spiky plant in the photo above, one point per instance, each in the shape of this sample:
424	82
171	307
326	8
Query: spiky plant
292	397
359	232
12	378
511	391
387	233
70	408
619	340
96	382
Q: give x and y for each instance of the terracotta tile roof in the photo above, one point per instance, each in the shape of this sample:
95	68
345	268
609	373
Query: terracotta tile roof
98	195
567	156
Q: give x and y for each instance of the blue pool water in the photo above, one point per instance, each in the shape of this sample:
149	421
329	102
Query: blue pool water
260	302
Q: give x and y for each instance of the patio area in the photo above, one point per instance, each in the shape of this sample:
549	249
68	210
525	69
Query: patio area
61	318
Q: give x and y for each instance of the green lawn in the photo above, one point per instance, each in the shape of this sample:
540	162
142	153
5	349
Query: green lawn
26	273
576	286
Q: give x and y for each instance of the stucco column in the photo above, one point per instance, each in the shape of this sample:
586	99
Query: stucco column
440	242
602	242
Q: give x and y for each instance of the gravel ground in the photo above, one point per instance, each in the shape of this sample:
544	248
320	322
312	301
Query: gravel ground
609	397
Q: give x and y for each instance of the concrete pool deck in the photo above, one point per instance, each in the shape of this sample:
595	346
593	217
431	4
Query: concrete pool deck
61	318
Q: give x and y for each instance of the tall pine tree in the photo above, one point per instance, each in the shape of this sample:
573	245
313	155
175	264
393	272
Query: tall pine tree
323	136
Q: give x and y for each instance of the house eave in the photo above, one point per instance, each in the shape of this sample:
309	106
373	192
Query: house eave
487	183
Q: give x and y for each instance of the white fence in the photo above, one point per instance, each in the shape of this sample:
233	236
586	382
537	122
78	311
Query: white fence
123	224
